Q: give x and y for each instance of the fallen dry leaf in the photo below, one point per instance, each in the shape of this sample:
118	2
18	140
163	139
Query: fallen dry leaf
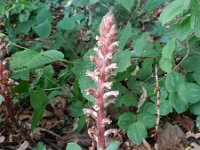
170	137
186	122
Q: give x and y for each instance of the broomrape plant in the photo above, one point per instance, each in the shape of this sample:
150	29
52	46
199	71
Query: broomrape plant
106	48
6	83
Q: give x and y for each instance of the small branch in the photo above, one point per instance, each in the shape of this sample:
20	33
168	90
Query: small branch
157	91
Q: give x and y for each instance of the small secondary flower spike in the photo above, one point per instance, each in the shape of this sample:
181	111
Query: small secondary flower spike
106	48
6	83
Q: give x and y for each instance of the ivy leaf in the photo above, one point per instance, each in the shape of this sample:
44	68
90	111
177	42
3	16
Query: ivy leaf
73	146
125	36
1	99
43	14
85	82
76	108
113	145
166	61
123	59
93	2
30	59
183	30
173	81
148	107
195	17
129	99
171	11
166	64
165	107
147	119
126	119
39	101
196	76
195	109
177	103
152	4
192	93
140	45
43	29
127	4
198	122
137	132
191	63
40	146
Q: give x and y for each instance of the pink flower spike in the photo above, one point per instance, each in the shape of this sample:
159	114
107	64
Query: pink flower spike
113	46
108	85
110	93
90	112
92	75
111	131
92	92
108	102
106	121
110	67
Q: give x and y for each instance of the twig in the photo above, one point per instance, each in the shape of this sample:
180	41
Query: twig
157	91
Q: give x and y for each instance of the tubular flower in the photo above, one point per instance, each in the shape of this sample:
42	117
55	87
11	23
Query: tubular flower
106	48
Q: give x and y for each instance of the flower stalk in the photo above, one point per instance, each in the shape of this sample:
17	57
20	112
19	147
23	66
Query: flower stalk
5	84
106	48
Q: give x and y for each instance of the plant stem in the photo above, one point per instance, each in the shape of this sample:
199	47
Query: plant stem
100	126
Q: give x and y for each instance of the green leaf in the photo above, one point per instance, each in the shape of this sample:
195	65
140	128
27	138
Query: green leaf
81	123
1	99
114	145
183	30
30	59
148	107
85	82
147	119
23	75
171	11
198	122
73	146
92	2
195	109
24	27
196	75
129	99
40	146
22	87
165	107
177	103
123	59
173	81
125	36
191	63
43	29
166	62
43	14
146	69
152	4
24	16
127	4
192	93
39	101
76	108
169	48
140	45
195	17
126	119
69	23
137	132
